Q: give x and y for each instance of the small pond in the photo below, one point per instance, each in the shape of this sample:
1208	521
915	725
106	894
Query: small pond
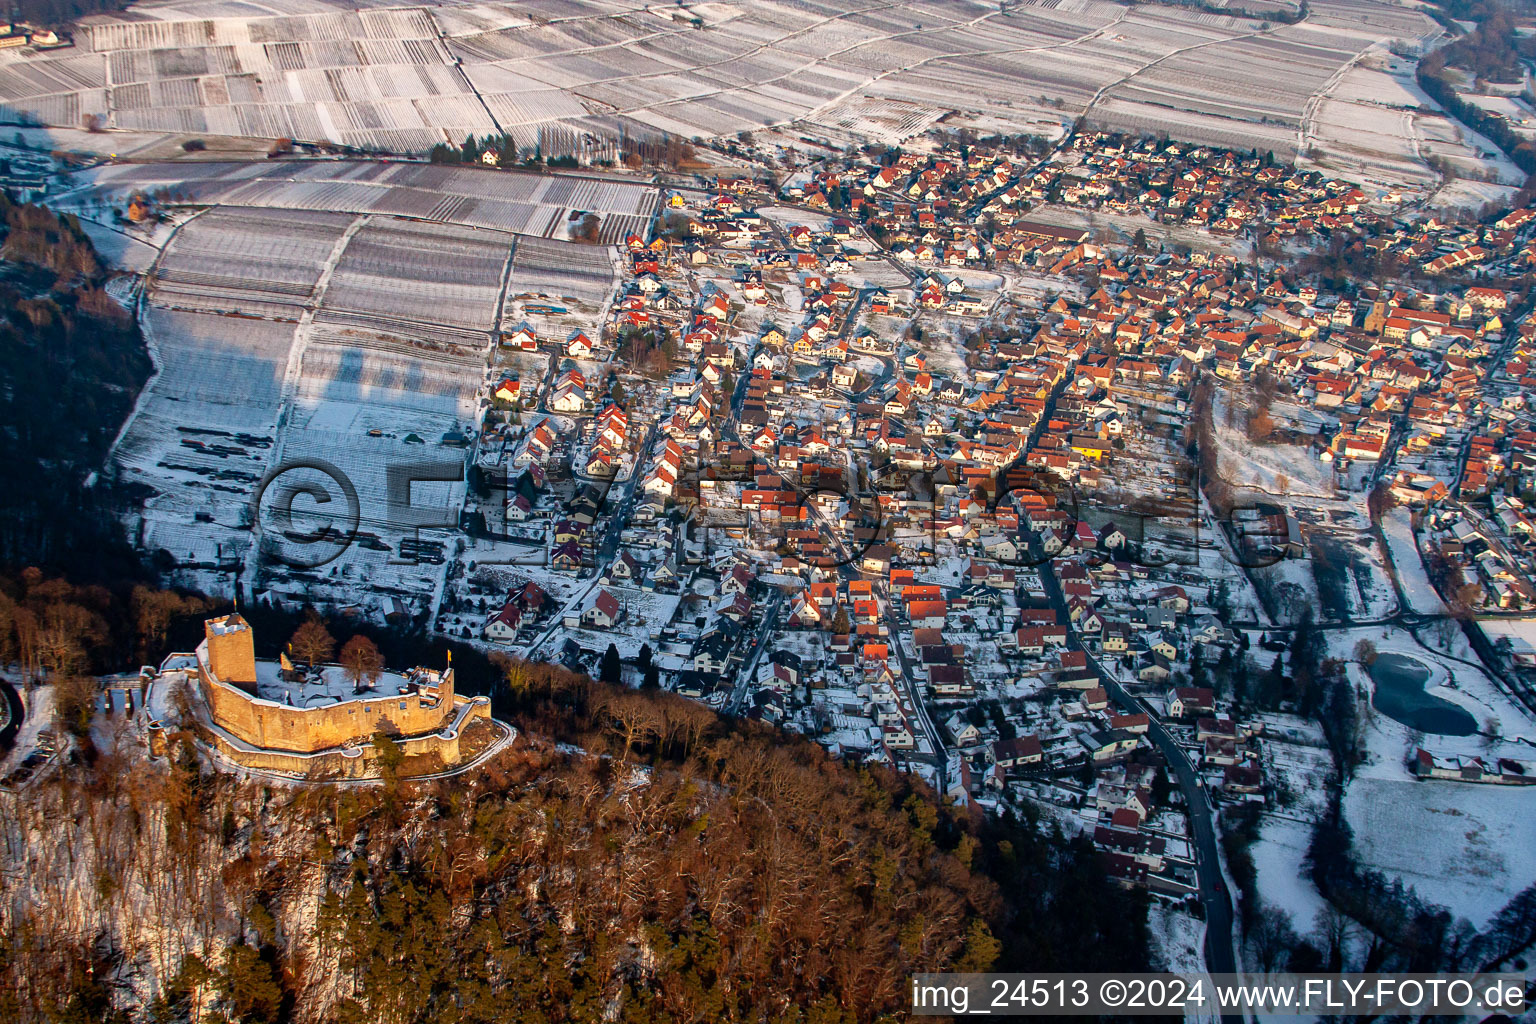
1400	696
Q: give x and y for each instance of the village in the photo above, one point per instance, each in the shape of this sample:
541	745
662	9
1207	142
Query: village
1027	509
1072	457
1094	482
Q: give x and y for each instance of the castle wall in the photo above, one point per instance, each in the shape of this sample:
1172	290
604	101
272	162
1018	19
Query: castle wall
334	764
265	723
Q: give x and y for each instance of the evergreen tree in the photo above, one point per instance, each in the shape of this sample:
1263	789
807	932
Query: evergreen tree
249	986
610	669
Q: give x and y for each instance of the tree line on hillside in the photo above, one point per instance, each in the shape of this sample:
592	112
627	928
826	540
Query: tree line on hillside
684	867
1494	50
71	364
1491	52
62	12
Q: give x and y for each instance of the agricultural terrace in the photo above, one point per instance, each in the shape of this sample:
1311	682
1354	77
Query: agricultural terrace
283	335
528	204
253	262
556	77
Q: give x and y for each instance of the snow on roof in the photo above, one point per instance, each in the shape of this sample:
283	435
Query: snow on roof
331	685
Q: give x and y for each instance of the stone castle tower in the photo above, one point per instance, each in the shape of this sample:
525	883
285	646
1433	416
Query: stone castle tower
232	651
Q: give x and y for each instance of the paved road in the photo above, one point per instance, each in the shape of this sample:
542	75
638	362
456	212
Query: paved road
940	758
1214	895
12	714
620	518
745	672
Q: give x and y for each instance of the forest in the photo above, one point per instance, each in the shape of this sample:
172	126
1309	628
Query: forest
632	850
71	364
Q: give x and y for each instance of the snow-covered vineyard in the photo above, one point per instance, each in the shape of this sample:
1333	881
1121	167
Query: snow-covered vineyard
287	335
527	204
556	74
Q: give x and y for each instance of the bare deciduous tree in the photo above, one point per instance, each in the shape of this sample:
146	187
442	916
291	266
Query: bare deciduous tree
362	661
312	642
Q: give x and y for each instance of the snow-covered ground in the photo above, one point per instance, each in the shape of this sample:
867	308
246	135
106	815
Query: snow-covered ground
37	707
1450	679
1467	847
1521	633
1282	877
1277	469
1418	592
1297	760
1178	939
1463	845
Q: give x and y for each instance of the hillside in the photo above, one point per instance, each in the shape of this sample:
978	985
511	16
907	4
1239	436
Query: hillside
700	880
71	363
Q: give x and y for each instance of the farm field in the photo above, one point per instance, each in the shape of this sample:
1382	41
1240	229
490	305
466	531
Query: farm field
560	78
360	339
528	204
262	263
202	433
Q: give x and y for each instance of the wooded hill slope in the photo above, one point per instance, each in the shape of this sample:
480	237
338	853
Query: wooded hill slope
721	873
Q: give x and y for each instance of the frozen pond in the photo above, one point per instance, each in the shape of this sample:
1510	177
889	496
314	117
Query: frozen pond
1400	696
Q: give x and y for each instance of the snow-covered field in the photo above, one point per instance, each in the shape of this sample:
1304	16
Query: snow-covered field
1296	758
1365	125
1177	938
1278	857
528	204
404	78
283	335
1467	847
1277	469
1418	592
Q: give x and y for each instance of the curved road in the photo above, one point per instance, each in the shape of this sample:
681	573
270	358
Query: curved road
14	714
1215	898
